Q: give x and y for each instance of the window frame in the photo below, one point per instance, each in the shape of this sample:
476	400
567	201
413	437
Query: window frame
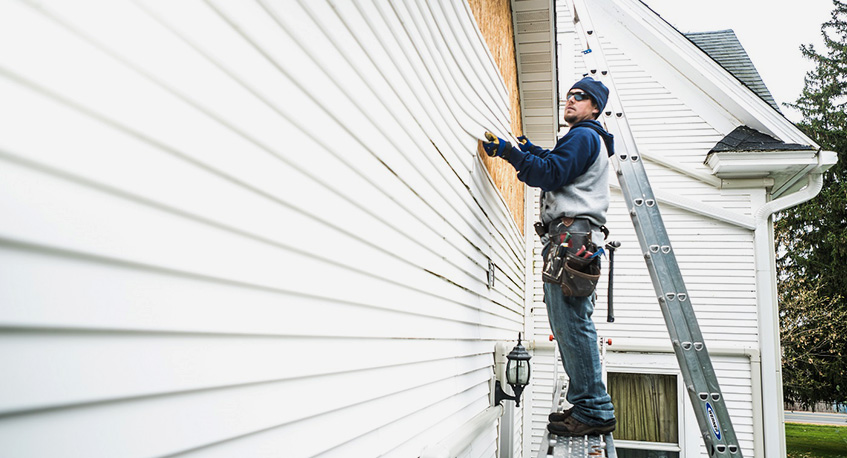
680	409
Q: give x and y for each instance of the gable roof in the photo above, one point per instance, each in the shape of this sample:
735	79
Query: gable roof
716	92
724	47
728	102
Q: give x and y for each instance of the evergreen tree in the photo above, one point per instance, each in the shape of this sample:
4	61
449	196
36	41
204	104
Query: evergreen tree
812	238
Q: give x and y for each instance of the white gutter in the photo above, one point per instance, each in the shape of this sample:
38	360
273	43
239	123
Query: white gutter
461	439
767	304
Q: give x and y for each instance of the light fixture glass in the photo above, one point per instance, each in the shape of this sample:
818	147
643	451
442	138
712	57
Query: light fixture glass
517	373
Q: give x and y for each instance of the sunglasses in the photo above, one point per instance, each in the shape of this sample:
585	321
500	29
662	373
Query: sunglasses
578	96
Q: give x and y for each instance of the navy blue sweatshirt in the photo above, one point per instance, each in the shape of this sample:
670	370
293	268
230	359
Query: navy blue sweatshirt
573	175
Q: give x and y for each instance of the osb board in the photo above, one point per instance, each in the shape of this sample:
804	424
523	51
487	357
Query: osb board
494	18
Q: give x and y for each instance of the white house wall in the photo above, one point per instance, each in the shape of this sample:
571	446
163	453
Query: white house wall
246	229
715	256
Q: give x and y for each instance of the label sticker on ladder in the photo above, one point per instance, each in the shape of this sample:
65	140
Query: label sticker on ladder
716	427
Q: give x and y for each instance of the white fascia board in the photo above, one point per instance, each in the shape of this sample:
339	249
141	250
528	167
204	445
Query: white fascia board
716	83
751	164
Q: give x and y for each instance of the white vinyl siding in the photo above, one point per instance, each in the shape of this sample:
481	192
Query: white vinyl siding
715	257
716	261
246	229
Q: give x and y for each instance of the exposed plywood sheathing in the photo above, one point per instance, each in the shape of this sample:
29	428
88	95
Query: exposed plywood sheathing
494	18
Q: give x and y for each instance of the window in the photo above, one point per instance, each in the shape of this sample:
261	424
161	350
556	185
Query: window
647	409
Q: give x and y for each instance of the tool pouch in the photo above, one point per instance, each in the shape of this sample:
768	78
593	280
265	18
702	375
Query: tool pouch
576	274
580	276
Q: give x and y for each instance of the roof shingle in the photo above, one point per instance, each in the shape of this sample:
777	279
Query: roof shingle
744	138
725	49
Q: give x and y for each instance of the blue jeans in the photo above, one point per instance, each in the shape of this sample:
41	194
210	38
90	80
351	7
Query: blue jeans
570	320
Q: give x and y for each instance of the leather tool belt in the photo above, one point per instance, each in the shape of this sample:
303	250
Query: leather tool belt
571	259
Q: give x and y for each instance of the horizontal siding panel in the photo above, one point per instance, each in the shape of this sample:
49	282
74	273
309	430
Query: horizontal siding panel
125	429
107	227
231	214
296	182
100	367
132	299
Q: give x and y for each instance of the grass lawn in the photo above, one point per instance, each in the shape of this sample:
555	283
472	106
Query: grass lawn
815	441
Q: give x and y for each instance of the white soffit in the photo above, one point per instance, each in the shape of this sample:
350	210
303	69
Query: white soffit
535	55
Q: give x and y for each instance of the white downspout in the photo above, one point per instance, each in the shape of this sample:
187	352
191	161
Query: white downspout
771	362
758	414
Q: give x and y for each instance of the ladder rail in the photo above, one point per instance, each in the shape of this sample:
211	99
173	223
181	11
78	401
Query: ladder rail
689	347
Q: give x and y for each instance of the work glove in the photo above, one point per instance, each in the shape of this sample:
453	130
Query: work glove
524	144
496	146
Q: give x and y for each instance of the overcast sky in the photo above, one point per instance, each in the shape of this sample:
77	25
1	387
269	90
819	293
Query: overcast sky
771	32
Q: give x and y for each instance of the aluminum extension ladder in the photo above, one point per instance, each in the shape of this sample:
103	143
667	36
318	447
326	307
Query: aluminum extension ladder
691	353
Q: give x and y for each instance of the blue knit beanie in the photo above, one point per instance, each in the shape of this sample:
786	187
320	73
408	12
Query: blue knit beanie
595	89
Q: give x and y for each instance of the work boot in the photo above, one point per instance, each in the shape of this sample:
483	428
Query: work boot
560	416
570	427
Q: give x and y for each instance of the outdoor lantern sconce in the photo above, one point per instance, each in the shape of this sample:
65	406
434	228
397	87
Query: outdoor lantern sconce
517	374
